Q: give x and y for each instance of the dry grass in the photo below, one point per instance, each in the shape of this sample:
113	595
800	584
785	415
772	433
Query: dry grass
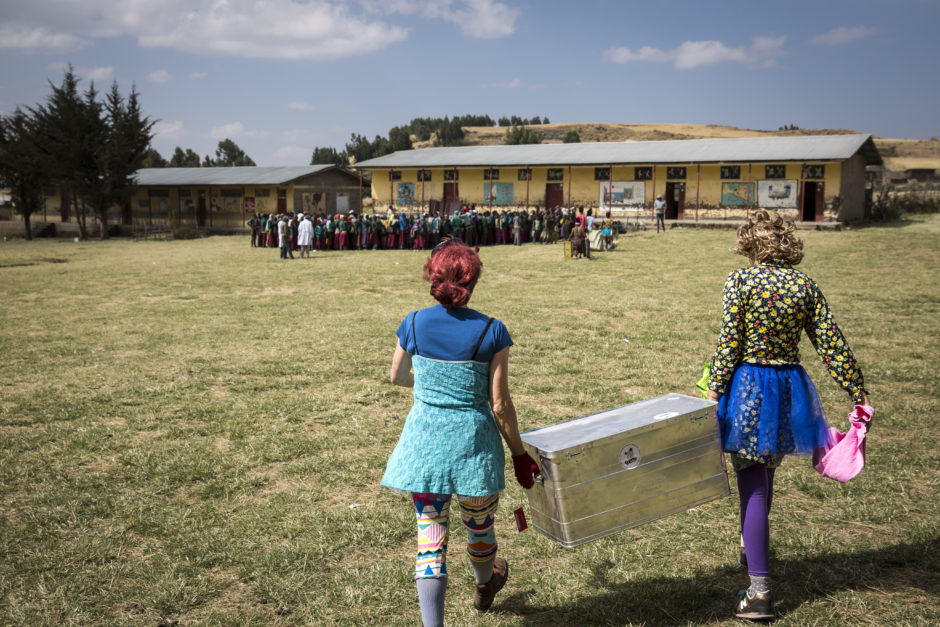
184	426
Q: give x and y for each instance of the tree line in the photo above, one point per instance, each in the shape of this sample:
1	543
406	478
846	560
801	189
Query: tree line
86	145
446	131
227	154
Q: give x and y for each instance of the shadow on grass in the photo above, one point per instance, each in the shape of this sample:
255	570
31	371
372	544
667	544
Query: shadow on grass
709	595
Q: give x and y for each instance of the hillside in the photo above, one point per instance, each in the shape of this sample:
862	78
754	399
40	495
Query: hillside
899	154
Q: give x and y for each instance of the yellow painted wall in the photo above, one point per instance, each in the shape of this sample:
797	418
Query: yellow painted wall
585	190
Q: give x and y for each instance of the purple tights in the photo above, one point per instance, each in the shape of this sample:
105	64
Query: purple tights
756	489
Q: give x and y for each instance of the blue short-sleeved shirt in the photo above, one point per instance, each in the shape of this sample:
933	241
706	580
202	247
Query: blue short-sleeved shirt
452	334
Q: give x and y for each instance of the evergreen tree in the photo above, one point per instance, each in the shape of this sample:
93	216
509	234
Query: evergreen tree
61	123
400	138
572	137
522	135
359	148
328	156
228	154
153	159
187	159
22	164
504	121
127	143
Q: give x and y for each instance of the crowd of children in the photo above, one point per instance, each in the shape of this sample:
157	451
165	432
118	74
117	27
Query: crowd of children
422	231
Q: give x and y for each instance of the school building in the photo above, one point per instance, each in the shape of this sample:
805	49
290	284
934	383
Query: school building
224	198
807	178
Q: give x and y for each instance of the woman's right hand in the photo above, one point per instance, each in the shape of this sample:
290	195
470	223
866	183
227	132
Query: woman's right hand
526	469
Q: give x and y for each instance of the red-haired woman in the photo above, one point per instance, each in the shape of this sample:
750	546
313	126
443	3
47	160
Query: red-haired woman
450	443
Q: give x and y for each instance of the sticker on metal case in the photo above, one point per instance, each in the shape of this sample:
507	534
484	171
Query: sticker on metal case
630	456
666	414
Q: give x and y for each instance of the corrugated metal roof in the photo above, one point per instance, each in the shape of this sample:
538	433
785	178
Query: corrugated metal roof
735	149
249	175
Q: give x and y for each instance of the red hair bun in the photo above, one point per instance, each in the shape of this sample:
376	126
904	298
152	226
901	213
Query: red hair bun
453	271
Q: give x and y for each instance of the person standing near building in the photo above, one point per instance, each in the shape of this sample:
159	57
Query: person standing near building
253	225
659	208
283	234
305	236
292	224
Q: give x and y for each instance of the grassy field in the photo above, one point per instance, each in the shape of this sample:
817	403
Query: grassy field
193	432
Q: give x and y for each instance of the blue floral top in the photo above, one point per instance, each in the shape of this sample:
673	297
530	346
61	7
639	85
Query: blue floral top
766	306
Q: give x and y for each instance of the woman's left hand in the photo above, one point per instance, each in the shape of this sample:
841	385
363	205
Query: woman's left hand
712	395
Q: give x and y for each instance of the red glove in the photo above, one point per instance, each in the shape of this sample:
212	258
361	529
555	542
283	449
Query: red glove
526	469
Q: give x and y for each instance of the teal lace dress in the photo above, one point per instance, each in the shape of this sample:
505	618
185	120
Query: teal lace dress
450	443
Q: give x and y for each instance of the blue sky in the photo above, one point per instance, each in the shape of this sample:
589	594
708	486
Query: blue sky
281	77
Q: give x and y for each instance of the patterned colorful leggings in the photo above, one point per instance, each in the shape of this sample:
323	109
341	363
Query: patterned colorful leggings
433	511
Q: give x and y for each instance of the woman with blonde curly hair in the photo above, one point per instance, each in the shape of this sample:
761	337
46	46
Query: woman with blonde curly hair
767	405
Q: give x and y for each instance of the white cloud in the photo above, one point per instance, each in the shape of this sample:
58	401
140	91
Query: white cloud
646	53
504	85
843	35
198	75
168	130
274	29
95	73
37	39
485	19
300	106
692	54
227	130
159	76
279	29
233	130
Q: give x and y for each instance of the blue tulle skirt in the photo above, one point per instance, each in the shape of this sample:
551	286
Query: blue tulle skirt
769	412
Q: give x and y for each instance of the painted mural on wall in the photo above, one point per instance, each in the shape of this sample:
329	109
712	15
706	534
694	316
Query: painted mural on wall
737	194
777	194
312	202
405	194
622	194
498	193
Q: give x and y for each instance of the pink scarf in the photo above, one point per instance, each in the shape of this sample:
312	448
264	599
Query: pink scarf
844	455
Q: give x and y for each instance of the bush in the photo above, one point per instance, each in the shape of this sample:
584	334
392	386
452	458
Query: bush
185	232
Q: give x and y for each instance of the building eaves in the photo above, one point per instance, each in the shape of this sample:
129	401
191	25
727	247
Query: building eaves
249	175
720	150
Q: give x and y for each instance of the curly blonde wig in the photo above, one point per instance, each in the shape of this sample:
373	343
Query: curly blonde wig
767	236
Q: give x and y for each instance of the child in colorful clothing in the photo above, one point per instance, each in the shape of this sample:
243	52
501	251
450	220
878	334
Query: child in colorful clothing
767	405
450	443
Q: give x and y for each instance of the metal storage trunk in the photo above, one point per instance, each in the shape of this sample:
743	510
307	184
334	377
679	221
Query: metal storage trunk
624	467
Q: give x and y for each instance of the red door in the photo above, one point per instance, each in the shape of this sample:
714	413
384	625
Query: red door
282	201
450	192
554	195
126	214
675	201
814	201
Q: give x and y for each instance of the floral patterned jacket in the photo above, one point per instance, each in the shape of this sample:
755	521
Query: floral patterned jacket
766	306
